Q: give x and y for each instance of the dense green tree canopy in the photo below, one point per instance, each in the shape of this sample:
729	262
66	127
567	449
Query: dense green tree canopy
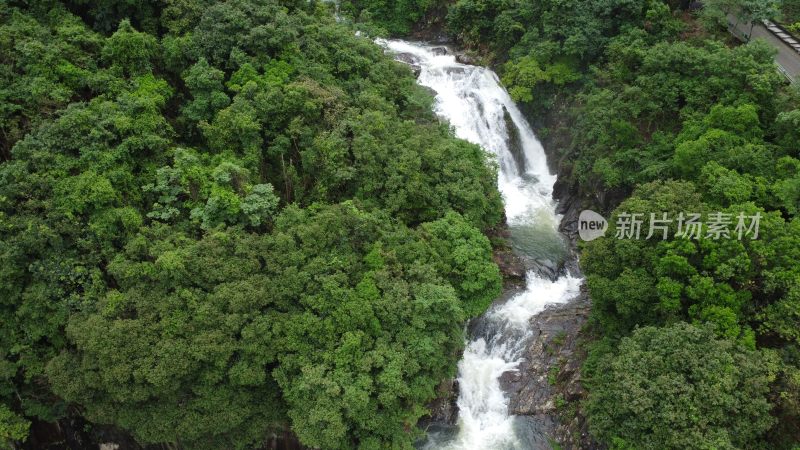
225	219
679	387
731	283
334	319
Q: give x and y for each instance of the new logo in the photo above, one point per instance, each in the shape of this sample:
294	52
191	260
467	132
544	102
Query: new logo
591	225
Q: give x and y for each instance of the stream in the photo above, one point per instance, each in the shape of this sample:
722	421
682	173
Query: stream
480	110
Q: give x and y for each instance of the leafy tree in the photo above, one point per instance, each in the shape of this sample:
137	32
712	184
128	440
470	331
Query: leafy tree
397	17
105	15
12	426
374	333
749	12
787	186
130	51
680	387
465	256
337	304
523	75
580	28
208	96
653	282
49	63
180	16
162	355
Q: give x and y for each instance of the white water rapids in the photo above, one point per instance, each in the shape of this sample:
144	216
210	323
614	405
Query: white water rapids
472	100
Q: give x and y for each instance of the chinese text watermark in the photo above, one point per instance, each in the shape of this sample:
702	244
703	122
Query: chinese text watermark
686	225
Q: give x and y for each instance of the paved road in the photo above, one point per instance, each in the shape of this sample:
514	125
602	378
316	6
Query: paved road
787	58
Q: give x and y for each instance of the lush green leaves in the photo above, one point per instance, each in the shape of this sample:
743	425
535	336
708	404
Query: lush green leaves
251	223
679	387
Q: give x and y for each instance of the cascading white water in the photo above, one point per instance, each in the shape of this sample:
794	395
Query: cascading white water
481	111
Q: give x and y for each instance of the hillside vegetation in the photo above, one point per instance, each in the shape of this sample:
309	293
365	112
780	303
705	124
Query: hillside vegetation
222	219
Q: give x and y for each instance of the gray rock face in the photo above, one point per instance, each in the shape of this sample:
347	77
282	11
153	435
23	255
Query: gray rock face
439	38
439	51
408	58
544	267
411	61
443	410
463	58
511	267
549	378
548	360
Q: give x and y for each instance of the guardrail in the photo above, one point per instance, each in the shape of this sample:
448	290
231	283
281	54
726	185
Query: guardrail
785	73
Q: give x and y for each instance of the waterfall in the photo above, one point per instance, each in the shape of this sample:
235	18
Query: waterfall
480	110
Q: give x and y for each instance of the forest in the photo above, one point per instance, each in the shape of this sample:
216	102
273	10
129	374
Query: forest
223	219
695	343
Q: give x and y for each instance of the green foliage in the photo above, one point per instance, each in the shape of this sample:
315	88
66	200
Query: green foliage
653	282
787	393
679	387
790	11
161	355
208	96
523	75
249	224
12	426
397	17
130	51
48	62
375	331
180	16
743	11
105	15
578	28
725	151
359	344
613	124
465	260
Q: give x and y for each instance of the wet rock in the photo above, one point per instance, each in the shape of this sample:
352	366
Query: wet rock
549	367
530	435
548	382
439	51
440	38
444	410
408	58
543	267
411	61
514	141
512	268
463	58
510	378
455	70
